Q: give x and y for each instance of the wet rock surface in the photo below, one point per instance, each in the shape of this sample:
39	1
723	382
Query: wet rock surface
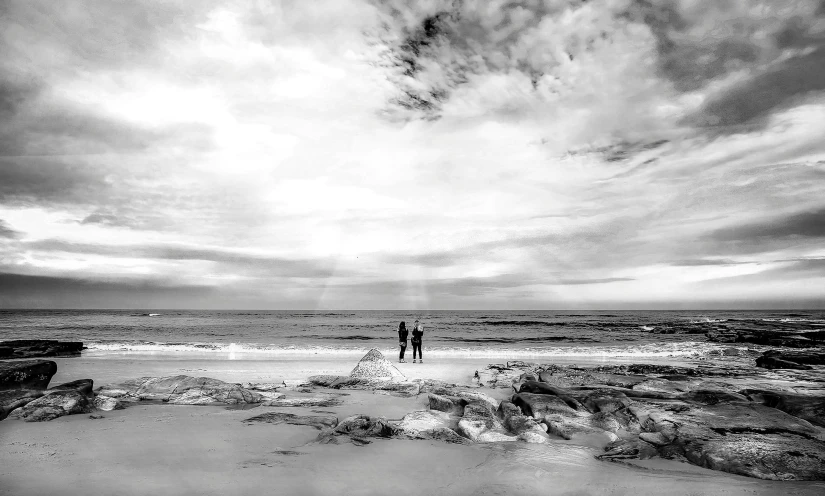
316	421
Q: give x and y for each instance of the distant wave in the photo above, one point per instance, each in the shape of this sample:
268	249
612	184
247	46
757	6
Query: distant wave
503	340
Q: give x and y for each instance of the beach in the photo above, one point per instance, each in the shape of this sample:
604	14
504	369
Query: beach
187	450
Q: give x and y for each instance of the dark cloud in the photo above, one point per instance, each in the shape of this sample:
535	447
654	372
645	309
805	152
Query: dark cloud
810	224
49	180
33	291
7	232
778	88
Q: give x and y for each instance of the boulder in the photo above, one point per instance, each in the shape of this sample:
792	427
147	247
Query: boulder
26	374
449	404
578	429
422	424
54	405
180	390
373	365
83	386
317	421
475	396
15	398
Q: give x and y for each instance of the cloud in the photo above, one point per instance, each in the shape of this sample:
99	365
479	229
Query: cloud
7	232
31	291
810	224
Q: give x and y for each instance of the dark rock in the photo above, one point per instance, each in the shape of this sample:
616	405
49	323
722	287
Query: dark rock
83	386
358	428
35	348
803	357
319	422
773	362
26	374
6	351
712	397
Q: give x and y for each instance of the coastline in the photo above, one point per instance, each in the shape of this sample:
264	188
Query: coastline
183	450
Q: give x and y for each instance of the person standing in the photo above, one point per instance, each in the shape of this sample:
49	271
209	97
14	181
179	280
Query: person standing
402	341
417	335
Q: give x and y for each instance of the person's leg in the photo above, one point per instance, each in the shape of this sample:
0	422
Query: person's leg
415	350
420	353
401	354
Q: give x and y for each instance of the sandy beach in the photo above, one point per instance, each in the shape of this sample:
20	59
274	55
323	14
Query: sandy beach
188	450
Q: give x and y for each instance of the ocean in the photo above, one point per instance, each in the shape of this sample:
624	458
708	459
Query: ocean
447	333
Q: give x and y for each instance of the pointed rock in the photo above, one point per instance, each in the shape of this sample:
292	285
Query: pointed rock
374	366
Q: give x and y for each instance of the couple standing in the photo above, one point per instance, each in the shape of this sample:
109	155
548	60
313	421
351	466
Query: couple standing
417	334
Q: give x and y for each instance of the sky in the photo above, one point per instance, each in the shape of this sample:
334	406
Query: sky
439	154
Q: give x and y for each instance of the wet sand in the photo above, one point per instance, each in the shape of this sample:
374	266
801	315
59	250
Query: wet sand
188	450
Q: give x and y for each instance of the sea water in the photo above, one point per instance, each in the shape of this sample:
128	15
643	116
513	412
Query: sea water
446	333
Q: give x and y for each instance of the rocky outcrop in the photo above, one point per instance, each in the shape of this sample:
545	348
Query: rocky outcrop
15	398
26	374
36	348
373	365
805	406
180	390
319	422
66	399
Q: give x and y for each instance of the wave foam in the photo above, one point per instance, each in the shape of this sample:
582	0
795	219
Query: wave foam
681	349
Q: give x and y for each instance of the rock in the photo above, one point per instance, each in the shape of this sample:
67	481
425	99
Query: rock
319	422
262	387
358	428
421	424
306	401
54	405
807	407
374	366
539	405
6	352
478	419
449	404
181	390
499	376
26	374
475	396
35	348
96	417
773	457
83	386
774	362
712	397
16	398
578	429
107	404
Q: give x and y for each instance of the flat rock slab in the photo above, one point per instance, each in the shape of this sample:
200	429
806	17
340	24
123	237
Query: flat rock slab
317	421
26	374
181	390
311	401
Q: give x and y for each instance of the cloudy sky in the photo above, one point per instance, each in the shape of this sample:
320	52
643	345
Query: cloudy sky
545	154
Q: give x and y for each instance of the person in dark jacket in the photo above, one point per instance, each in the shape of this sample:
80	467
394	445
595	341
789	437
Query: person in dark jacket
402	341
417	335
